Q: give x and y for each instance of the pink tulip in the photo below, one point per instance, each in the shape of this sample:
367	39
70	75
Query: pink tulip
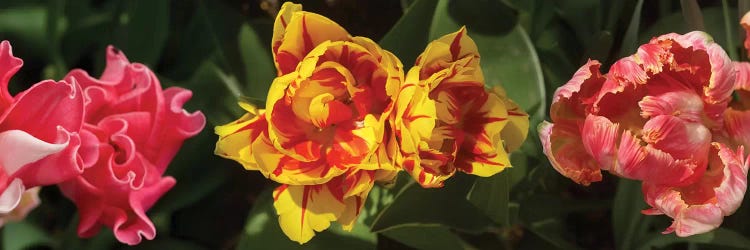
38	133
657	117
132	131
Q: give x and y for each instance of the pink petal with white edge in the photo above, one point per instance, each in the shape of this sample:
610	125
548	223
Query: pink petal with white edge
20	148
11	196
589	71
57	167
701	206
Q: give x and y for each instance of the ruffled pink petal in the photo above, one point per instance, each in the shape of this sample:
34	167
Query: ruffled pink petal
599	137
685	105
173	128
701	206
743	76
131	230
737	126
56	167
647	163
745	23
586	81
44	107
9	65
681	139
562	145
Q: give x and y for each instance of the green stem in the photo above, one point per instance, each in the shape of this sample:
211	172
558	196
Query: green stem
731	47
692	14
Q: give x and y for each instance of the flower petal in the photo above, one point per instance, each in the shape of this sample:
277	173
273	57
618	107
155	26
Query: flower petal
701	206
33	110
745	23
11	196
599	137
297	32
563	147
236	138
304	210
9	65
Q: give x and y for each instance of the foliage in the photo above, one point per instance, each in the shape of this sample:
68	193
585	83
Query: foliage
221	51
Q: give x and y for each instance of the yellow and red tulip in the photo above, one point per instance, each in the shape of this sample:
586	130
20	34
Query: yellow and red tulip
323	132
446	120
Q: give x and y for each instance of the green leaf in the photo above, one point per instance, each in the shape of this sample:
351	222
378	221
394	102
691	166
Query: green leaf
144	29
630	41
166	243
718	237
508	60
192	187
692	14
728	29
56	23
410	35
482	16
626	213
219	94
549	231
25	27
714	21
259	68
22	235
426	237
262	230
491	195
446	206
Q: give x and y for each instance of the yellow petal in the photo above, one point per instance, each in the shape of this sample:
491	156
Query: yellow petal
236	137
304	210
301	35
282	168
489	156
517	129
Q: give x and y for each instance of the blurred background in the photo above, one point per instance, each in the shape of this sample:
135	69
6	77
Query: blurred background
221	51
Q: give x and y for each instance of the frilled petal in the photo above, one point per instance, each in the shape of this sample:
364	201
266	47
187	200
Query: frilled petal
599	137
282	168
564	149
639	162
745	23
517	129
482	152
456	47
43	108
701	206
236	138
297	32
132	228
123	212
304	210
172	128
737	124
9	65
